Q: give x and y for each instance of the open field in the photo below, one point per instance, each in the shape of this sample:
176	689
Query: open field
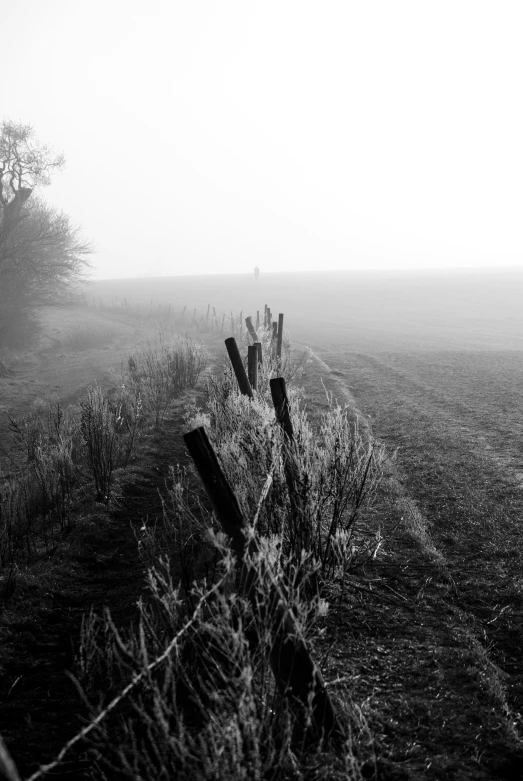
429	635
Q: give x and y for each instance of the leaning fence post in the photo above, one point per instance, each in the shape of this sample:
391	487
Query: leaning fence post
275	331
239	368
250	328
252	365
279	337
293	667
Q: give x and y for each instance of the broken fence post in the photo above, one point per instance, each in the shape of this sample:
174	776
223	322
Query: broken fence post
252	365
239	368
293	667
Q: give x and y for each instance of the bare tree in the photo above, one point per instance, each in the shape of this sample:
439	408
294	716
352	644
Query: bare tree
41	254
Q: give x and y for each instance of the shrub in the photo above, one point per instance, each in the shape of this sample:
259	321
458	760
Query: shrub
109	428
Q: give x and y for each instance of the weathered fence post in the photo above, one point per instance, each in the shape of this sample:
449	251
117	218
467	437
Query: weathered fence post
275	332
250	328
239	368
279	338
281	405
293	667
257	319
260	355
252	365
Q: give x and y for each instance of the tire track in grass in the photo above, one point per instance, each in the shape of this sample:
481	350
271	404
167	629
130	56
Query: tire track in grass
439	704
470	495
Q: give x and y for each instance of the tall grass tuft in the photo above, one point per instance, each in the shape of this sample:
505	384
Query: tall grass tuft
164	367
109	429
87	335
36	498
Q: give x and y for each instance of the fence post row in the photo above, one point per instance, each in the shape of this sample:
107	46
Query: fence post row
295	671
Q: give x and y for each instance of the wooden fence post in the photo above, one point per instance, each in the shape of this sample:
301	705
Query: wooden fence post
239	368
250	328
281	405
252	365
275	332
260	355
293	667
207	318
257	319
279	338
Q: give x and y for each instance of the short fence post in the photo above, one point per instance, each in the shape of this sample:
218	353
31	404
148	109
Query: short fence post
257	319
239	368
250	328
293	667
252	365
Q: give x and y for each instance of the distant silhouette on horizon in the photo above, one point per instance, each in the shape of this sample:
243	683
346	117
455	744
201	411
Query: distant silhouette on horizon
256	273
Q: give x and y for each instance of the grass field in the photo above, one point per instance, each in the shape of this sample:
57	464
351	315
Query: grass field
428	635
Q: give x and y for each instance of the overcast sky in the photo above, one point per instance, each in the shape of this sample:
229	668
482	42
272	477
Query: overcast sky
207	137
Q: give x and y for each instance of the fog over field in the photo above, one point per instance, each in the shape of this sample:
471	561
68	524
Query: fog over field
375	311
